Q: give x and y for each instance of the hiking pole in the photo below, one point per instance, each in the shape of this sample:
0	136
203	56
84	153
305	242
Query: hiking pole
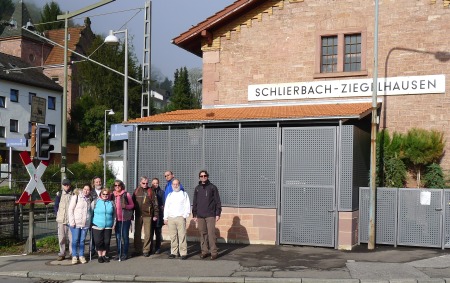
90	245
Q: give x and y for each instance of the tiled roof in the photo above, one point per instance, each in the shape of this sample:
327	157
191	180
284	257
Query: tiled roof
57	54
264	113
30	76
190	40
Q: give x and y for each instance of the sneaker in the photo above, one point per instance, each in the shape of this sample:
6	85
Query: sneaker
183	257
100	259
105	258
172	256
124	257
74	260
157	252
82	259
60	258
146	254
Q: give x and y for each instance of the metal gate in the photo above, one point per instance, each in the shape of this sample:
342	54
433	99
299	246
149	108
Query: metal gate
308	186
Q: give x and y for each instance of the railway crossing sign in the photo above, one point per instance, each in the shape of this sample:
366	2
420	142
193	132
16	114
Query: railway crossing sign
35	180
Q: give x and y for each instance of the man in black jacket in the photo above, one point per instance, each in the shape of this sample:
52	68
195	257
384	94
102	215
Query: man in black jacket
206	210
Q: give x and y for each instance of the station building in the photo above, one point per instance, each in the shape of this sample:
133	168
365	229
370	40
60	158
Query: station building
284	129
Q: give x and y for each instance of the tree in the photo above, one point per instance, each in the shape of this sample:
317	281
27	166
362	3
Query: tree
49	14
182	97
421	148
105	93
195	74
6	10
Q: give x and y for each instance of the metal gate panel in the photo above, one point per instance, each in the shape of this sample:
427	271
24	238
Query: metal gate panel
386	216
258	173
446	206
153	155
186	157
420	224
221	157
308	186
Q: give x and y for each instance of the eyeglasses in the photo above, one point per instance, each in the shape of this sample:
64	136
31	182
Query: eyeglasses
116	185
144	183
105	194
203	176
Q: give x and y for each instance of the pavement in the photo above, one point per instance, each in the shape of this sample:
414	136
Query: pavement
248	263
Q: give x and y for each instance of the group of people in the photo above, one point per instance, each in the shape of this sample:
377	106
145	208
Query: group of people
95	209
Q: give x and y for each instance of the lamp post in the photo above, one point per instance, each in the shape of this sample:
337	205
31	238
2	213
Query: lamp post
66	18
110	112
111	39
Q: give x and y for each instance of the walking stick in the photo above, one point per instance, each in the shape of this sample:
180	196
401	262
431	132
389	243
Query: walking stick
90	245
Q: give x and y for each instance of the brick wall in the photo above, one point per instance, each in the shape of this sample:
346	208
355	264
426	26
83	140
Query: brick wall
239	225
278	45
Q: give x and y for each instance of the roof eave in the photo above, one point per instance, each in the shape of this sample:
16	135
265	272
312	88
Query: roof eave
187	39
358	117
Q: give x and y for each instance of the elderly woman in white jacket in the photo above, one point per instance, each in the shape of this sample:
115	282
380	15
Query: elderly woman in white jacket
80	221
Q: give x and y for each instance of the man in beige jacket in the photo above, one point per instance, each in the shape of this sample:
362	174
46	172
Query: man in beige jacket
62	201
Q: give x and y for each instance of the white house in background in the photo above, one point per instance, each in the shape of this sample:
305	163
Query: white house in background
158	99
18	84
115	162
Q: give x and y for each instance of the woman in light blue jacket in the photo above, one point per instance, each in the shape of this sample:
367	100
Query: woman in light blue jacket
103	223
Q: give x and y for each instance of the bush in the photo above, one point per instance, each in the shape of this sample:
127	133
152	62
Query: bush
394	173
434	177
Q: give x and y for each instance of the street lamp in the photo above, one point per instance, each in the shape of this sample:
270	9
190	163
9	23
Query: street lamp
66	18
111	39
110	112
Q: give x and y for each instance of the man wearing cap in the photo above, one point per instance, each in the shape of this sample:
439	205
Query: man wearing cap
62	201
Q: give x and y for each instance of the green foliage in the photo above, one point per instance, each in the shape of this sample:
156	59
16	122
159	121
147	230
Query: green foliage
48	17
182	97
416	149
6	10
394	172
434	176
422	147
48	244
101	94
391	170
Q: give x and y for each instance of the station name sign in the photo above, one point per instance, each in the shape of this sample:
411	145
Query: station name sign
348	88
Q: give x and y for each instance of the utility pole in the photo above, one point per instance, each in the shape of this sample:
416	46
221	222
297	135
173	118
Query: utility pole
30	245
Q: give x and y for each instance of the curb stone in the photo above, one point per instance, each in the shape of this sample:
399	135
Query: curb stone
55	275
217	279
126	278
23	274
98	277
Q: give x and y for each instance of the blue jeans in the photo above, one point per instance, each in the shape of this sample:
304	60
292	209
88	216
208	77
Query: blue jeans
78	237
123	233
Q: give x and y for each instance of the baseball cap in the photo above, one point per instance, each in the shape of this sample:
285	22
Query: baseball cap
66	182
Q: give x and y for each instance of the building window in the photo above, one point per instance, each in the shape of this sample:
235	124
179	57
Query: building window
14	95
341	54
51	102
352	55
2	102
2	132
329	54
30	97
13	126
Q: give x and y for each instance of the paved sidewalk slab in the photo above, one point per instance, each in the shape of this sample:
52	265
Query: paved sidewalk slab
377	270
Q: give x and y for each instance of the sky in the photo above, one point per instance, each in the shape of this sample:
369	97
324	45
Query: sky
170	18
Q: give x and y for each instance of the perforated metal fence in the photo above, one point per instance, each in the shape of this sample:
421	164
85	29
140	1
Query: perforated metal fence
242	162
408	217
301	171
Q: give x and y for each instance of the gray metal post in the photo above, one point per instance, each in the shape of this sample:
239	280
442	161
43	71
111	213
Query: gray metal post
373	142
